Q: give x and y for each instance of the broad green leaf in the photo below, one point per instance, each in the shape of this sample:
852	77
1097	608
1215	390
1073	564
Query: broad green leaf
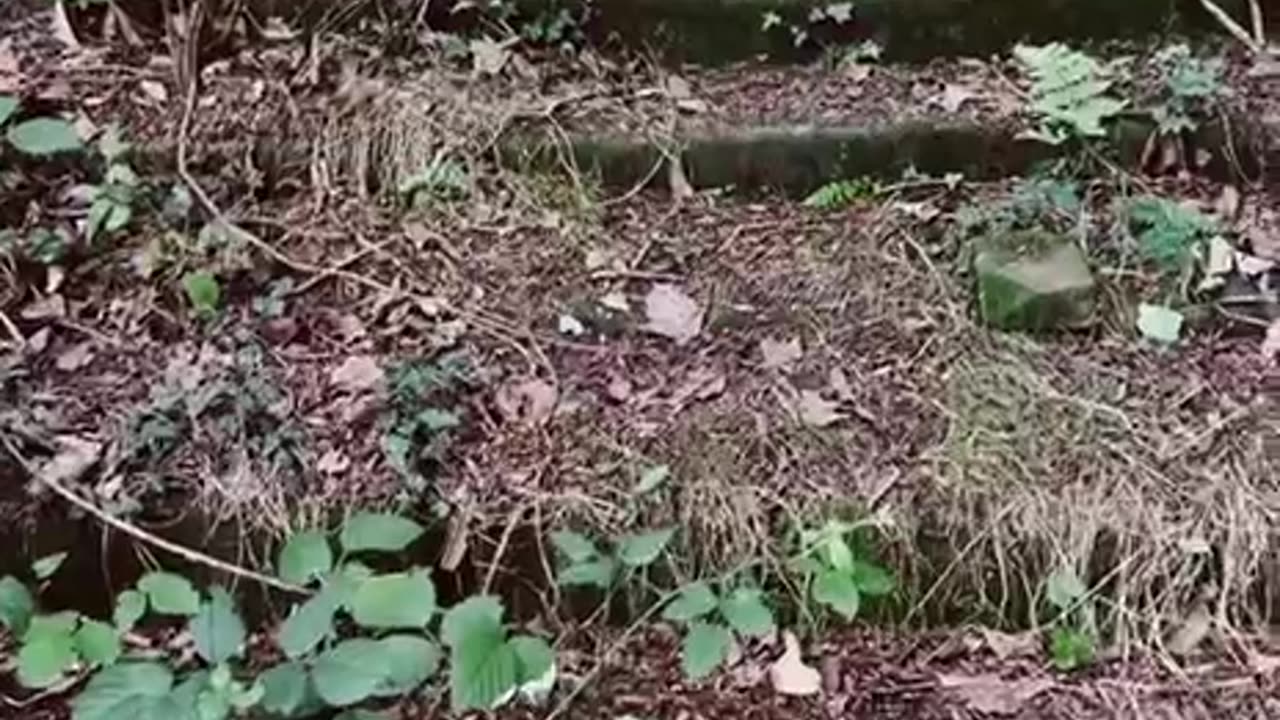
378	531
358	714
651	479
98	643
477	615
308	624
44	136
350	672
411	660
99	211
746	612
8	106
837	552
16	605
836	590
118	217
534	657
43	659
203	291
284	687
401	600
595	572
45	567
871	579
643	549
1159	323
695	600
574	546
170	594
116	692
705	646
59	623
217	629
483	666
131	605
304	558
347	580
1064	589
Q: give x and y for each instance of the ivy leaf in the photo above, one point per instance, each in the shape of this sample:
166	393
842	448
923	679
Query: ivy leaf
871	579
483	667
304	558
98	643
45	567
705	646
308	624
44	136
695	600
16	605
284	688
118	691
746	612
641	550
574	546
217	629
203	291
350	672
401	600
410	659
8	106
836	590
377	531
131	605
45	657
170	594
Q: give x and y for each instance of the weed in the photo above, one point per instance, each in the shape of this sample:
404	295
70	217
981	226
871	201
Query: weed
112	200
835	575
1072	639
422	416
838	13
1068	94
1169	233
1042	203
840	194
712	619
1189	88
584	564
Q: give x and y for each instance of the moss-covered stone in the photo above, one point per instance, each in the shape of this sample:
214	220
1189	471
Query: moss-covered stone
1034	281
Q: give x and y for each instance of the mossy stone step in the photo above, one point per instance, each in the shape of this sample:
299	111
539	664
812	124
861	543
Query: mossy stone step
1033	280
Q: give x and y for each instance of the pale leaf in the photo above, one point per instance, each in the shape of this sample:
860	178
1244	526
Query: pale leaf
1005	645
357	374
790	676
1193	630
672	314
992	694
529	401
815	411
780	354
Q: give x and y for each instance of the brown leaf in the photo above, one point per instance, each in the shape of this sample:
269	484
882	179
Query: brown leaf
1004	645
672	314
74	458
1271	343
993	694
530	401
75	357
789	675
815	411
780	354
49	307
357	374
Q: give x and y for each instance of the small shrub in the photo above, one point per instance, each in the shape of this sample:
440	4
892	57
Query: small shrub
1068	94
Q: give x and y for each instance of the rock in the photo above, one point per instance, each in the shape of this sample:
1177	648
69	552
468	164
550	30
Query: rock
1034	281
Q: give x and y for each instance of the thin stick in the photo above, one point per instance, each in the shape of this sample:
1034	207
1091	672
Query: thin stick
502	549
1231	25
1259	25
138	533
12	329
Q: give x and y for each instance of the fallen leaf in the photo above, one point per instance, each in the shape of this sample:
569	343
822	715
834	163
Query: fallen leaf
530	401
1271	343
76	357
815	411
1221	257
672	314
678	88
357	374
333	462
954	96
62	28
1005	645
154	90
49	307
677	181
702	384
839	383
1192	632
1159	323
789	675
993	694
74	458
1227	205
276	30
39	341
570	325
780	354
489	56
1252	266
616	301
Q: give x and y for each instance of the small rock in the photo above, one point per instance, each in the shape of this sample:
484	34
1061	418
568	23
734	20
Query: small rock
1034	281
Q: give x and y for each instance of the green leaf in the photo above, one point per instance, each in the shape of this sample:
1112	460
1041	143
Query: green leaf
401	600
534	657
8	106
203	291
871	579
131	605
45	567
217	629
376	531
476	614
652	479
43	659
483	667
596	572
308	624
410	659
746	612
643	549
170	594
350	672
836	590
304	558
16	605
705	646
116	692
358	714
695	600
44	136
98	213
1070	648
98	643
837	552
1064	589
59	623
284	688
1159	323
574	546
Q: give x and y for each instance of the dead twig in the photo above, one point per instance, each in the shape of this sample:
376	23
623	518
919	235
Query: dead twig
1255	44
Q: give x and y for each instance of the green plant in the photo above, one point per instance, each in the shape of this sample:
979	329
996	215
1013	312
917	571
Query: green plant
712	619
583	563
203	292
1068	94
837	13
1038	203
1189	87
423	415
833	572
112	200
1073	636
840	194
39	136
443	179
1168	232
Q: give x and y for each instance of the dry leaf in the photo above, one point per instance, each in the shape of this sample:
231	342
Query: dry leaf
1005	645
790	676
530	401
76	357
570	325
815	411
74	458
62	27
839	383
334	462
954	96
1192	632
357	374
154	90
1252	266
489	56
619	388
1221	258
1271	343
677	181
616	301
780	354
993	694
672	314
678	88
702	384
1228	205
49	307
